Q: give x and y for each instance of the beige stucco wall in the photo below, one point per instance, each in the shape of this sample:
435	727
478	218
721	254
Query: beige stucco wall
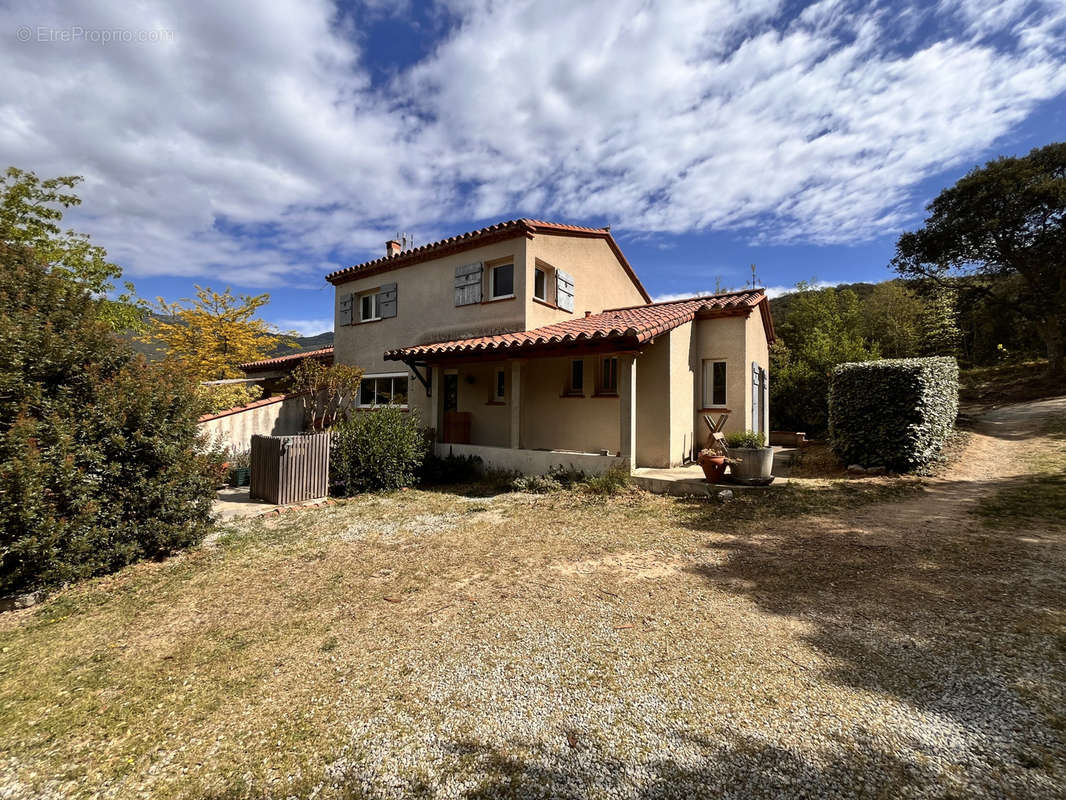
426	310
739	341
653	403
683	368
235	431
586	424
600	281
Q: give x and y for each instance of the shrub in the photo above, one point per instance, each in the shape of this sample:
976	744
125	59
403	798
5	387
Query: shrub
451	469
224	396
100	463
894	413
556	479
745	439
536	484
614	481
377	450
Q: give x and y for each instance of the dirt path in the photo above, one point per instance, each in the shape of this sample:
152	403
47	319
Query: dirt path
995	454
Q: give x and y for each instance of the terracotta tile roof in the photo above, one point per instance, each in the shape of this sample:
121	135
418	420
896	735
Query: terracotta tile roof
630	327
324	354
266	401
467	241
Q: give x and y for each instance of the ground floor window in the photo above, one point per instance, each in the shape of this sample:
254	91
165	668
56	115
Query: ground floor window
383	390
576	380
714	382
500	389
608	377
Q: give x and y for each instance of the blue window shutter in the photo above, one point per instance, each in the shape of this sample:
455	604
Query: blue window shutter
387	301
468	284
564	290
347	300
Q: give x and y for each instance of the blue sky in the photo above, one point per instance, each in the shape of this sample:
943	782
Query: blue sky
260	146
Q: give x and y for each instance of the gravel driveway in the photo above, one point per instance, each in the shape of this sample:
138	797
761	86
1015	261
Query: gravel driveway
425	644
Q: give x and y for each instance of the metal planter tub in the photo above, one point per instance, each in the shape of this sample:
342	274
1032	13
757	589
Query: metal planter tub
753	465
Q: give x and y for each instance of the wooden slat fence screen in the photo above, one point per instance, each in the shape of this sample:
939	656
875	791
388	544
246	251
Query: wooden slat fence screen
290	469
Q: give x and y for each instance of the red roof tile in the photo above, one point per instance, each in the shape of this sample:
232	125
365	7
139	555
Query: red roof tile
466	241
326	353
630	326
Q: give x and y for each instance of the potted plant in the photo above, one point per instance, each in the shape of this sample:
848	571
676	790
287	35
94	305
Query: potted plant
751	461
240	473
713	465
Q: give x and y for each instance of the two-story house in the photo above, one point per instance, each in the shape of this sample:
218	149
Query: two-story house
531	344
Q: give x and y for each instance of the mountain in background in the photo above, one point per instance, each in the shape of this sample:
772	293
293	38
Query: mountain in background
154	351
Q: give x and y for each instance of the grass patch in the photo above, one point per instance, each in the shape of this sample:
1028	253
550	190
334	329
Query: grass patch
1008	383
1040	499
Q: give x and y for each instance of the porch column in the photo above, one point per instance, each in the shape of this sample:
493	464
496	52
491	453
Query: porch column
435	401
627	407
516	404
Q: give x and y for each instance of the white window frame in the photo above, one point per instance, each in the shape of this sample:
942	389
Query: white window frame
392	389
708	383
499	396
375	302
492	281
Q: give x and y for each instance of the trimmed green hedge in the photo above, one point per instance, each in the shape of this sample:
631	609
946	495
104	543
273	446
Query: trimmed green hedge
894	413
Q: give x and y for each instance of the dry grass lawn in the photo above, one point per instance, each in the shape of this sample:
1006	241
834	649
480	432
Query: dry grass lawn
880	637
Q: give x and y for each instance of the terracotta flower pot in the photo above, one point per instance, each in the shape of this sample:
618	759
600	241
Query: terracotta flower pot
713	467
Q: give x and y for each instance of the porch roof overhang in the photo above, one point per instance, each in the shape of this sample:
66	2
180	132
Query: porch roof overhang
614	330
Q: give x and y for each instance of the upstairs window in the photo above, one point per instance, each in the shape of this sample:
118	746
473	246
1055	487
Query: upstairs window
369	307
502	281
540	284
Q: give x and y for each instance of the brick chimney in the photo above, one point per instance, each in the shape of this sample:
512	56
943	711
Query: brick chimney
392	247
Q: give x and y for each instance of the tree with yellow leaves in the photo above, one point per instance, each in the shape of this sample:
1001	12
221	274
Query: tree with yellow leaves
211	335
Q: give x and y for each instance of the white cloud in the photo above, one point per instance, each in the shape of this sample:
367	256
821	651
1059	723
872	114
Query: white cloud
306	327
771	291
253	145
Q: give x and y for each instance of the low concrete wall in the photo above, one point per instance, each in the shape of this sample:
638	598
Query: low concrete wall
534	462
275	416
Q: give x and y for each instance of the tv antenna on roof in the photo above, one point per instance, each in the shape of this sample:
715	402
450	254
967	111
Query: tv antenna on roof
754	280
406	240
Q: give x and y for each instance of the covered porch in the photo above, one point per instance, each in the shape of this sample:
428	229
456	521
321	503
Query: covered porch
577	409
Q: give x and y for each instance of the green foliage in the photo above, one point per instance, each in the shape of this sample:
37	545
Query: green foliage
329	392
100	462
1004	225
30	216
895	413
745	439
451	469
614	481
221	397
377	450
536	484
824	328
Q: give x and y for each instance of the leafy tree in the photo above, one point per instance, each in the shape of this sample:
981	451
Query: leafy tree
221	397
1004	223
824	328
100	461
211	335
892	317
329	391
30	213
